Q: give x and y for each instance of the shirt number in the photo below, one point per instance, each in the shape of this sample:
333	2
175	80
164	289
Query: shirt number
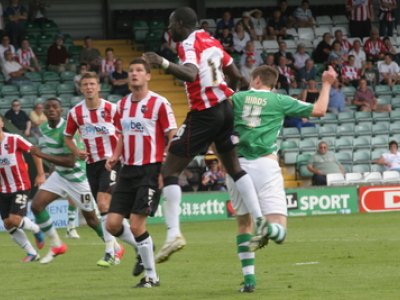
251	115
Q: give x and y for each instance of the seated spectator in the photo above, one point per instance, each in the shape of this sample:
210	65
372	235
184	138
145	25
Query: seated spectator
297	122
370	73
286	13
15	15
392	49
323	162
300	57
83	68
168	47
247	24
337	99
248	67
19	118
308	72
205	26
214	178
311	93
27	58
37	118
391	159
350	73
107	65
250	51
323	49
57	57
226	21
37	12
335	63
13	72
337	54
359	54
282	51
344	43
240	38
374	47
389	71
303	15
286	78
90	56
259	23
276	27
269	60
119	80
5	45
226	40
365	99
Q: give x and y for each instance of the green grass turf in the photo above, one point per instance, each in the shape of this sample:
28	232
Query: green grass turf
356	257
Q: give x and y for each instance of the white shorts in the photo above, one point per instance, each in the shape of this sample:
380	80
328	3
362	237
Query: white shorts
79	192
268	181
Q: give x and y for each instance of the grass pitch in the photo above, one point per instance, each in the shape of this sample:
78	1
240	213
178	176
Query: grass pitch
324	257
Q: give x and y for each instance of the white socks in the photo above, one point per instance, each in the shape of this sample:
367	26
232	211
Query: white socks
145	249
109	239
19	237
27	224
173	195
249	195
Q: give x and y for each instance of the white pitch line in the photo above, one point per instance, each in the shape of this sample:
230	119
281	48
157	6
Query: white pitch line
307	263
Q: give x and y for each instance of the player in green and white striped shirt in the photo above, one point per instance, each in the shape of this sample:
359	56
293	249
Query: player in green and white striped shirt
68	179
258	117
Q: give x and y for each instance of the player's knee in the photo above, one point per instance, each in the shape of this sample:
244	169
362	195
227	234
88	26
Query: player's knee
8	224
14	220
112	226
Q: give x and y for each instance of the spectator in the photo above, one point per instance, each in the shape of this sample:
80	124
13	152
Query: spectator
27	58
360	17
19	118
89	55
5	45
37	118
276	27
240	38
37	11
259	23
282	51
323	49
311	93
337	99
392	49
57	57
337	54
286	13
391	159
226	21
359	54
297	122
226	39
248	67
1	21
374	47
308	72
344	43
251	52
15	15
286	78
322	163
205	26
83	68
370	73
269	60
119	80
350	73
214	178
13	71
107	65
168	47
386	17
300	57
365	99
248	24
303	15
389	71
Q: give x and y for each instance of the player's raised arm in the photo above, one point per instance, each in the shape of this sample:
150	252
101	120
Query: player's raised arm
321	105
67	160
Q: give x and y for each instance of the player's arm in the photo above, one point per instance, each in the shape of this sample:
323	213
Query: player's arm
186	72
313	170
169	136
40	177
110	163
67	160
235	77
70	143
321	105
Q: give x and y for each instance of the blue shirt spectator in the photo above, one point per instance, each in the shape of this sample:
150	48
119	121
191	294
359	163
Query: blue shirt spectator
337	99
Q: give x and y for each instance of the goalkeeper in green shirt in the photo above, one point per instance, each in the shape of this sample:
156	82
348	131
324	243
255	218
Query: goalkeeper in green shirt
258	117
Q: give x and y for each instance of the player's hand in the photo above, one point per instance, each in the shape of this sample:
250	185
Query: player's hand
152	58
82	154
110	163
35	151
40	179
329	76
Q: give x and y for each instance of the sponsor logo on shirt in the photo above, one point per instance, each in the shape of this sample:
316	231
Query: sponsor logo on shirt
132	126
4	162
96	130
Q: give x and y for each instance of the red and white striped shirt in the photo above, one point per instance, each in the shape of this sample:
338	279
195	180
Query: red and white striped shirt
361	10
14	175
143	125
24	57
108	66
208	55
346	45
350	72
97	129
374	48
386	13
286	72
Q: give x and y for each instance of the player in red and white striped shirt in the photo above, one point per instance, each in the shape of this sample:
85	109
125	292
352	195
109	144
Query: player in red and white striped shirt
95	118
204	64
14	189
146	124
361	16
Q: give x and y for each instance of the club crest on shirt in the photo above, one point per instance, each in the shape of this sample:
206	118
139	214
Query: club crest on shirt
4	162
6	147
143	109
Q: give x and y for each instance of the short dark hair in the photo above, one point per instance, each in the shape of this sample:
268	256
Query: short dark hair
53	99
89	75
393	142
141	61
267	74
187	16
109	49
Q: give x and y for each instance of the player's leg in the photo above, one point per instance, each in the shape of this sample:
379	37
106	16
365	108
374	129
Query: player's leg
71	227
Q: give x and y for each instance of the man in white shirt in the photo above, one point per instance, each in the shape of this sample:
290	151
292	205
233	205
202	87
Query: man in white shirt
391	159
359	54
389	71
13	71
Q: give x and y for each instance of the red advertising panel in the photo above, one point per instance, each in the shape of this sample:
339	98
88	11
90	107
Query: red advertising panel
379	198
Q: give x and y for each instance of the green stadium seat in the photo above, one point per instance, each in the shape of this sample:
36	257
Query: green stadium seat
349	91
304	172
396	90
289	158
5	103
66	88
381	90
307	132
2	79
75	50
295	92
362	142
362	156
302	160
396	102
157	26
47	90
380	116
289	146
327	130
67	76
153	42
26	103
307	145
377	168
344	156
380	128
344	143
34	76
29	89
394	128
290	132
361	116
346	117
395	115
65	99
33	28
363	129
9	90
49	76
75	100
384	100
380	141
361	168
377	153
114	98
345	130
329	118
140	29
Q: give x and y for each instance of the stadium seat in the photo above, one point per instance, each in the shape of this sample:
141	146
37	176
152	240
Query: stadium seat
294	92
354	178
289	158
362	156
323	20
47	89
380	141
49	76
308	145
290	133
391	176
384	99
26	103
34	76
75	100
327	130
360	168
105	90
33	28
28	89
4	103
362	142
75	50
394	128
345	117
343	28
361	116
381	90
321	30
339	20
292	32
67	76
380	116
9	90
65	99
377	153
349	91
140	28
335	179
396	89
364	128
304	172
270	46
372	177
380	128
258	46
377	168
396	102
329	118
344	143
289	146
66	88
344	156
394	115
303	159
306	34
307	132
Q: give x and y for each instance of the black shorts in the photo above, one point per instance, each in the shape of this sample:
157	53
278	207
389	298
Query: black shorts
13	203
201	128
100	180
137	191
